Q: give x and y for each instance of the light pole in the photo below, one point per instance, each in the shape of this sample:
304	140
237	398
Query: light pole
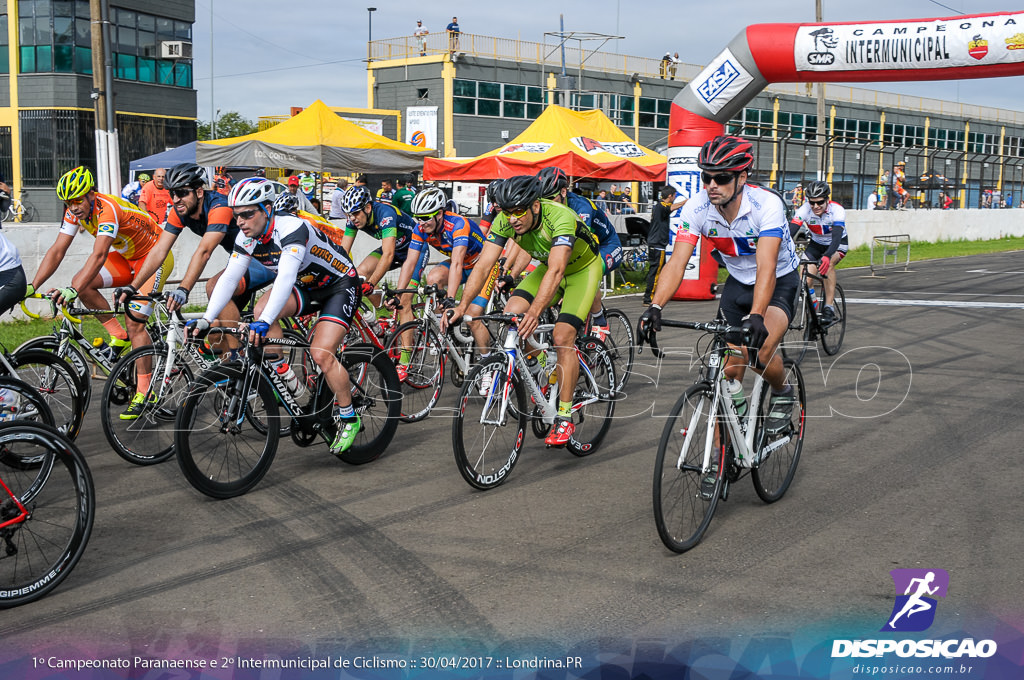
369	37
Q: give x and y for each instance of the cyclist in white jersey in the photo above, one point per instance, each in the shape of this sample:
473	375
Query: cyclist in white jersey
748	227
826	222
313	274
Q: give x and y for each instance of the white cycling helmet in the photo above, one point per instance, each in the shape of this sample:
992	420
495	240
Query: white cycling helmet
428	201
252	191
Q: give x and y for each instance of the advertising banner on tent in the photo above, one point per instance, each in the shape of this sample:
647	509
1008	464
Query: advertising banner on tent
421	126
374	125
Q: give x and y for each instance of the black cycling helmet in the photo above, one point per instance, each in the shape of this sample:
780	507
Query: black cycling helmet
491	187
726	153
517	192
552	181
185	176
817	189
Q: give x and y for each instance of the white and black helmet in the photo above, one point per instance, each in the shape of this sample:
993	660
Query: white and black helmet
252	191
428	201
355	199
286	204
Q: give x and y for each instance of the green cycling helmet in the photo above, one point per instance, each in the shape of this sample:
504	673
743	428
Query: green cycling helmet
75	184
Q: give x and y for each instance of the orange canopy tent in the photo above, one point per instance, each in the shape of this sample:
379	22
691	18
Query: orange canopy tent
582	143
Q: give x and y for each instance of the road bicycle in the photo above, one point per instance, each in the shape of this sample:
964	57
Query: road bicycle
621	343
228	425
19	209
706	445
807	324
503	392
46	510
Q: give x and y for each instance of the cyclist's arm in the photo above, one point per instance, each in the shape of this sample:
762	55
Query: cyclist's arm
348	239
154	259
764	283
222	293
93	265
558	258
54	256
672	272
405	275
838	229
455	270
287	272
207	244
481	272
387	256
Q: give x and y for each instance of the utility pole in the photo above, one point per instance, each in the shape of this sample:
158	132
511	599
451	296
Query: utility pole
108	166
820	129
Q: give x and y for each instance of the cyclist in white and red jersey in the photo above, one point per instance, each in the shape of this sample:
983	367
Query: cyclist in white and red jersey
748	227
826	222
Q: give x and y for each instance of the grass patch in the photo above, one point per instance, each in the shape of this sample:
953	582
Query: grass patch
17	331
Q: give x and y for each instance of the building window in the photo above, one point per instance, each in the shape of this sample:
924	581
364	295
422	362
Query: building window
53	142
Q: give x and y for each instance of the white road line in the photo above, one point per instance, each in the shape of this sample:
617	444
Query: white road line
931	292
934	303
989	271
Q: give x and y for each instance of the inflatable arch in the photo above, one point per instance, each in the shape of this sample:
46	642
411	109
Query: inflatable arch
961	47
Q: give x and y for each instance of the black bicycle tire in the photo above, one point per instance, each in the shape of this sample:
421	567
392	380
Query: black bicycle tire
622	377
595	352
465	466
66	455
758	473
362	452
70	426
419	326
702	391
826	334
26	391
80	363
794	343
185	423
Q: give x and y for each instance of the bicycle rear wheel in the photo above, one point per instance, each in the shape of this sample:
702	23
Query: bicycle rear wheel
377	400
23	404
832	335
219	454
621	345
778	452
57	384
149	438
488	429
50	509
686	492
593	402
798	336
425	377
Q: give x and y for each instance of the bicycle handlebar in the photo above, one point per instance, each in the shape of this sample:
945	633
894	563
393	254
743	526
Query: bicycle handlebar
713	327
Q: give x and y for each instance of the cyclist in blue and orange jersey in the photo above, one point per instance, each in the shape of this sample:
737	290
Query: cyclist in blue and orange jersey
747	225
311	274
826	222
570	263
383	222
125	235
555	185
453	235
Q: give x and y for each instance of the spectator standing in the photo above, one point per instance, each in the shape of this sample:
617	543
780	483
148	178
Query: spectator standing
453	35
657	237
602	200
154	198
616	195
945	200
997	201
628	208
421	37
672	65
386	192
223	181
873	199
1008	203
663	67
337	212
307	182
360	181
402	198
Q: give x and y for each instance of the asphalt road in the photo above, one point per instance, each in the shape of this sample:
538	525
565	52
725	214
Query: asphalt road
911	460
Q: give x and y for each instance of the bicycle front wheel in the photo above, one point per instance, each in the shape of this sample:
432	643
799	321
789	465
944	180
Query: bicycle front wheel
425	369
686	486
74	356
592	402
23	404
832	335
57	384
147	438
778	446
219	450
48	511
798	336
489	426
621	345
377	400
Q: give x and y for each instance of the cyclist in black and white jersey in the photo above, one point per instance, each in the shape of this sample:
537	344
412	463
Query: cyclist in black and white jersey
313	274
747	225
826	222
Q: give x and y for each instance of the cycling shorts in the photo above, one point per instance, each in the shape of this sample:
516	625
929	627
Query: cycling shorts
577	291
336	304
815	250
737	299
13	286
117	272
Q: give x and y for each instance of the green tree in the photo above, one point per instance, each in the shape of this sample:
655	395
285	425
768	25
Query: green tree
231	124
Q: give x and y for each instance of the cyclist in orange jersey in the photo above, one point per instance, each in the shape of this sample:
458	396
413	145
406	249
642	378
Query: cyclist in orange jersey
124	235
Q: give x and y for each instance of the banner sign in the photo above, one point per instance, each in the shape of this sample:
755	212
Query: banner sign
421	126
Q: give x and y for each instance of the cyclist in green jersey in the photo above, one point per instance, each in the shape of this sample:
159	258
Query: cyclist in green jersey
569	263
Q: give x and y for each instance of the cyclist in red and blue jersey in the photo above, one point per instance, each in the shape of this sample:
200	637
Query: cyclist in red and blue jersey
826	222
383	222
556	187
748	227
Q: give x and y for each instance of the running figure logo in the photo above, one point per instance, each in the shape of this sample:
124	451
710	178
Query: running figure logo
914	609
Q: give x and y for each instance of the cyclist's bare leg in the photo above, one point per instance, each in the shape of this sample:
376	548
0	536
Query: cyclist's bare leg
830	286
365	268
327	336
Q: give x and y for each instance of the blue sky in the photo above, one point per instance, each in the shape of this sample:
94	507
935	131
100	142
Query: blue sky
269	56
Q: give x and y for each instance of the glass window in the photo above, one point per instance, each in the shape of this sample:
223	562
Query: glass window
796	120
28	59
63	59
664	106
663	122
489	91
83	32
535	94
534	110
585	101
486	107
183	74
626	103
147	70
125	18
125	67
647	119
515	93
465	88
626	119
164	29
783	120
647	105
63	31
514	110
165	72
126	41
83	60
182	31
147	22
44	58
63	8
82	10
464	105
25	8
147	44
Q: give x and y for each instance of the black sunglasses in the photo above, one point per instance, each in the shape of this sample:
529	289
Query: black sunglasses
246	214
720	179
823	201
182	193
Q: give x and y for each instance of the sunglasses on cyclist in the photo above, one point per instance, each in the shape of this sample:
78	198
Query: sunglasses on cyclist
515	213
75	201
246	214
721	179
822	201
426	218
181	193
